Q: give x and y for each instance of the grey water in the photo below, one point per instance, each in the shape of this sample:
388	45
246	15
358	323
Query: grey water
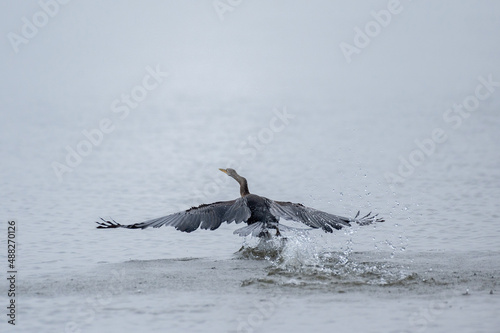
267	91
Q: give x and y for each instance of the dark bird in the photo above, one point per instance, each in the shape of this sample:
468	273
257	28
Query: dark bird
260	213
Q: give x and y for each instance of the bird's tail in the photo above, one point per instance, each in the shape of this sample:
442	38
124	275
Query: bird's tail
259	229
254	229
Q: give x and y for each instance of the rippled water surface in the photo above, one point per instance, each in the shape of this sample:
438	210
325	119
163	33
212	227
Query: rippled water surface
432	266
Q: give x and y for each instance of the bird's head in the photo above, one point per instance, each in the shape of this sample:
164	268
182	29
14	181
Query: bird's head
230	172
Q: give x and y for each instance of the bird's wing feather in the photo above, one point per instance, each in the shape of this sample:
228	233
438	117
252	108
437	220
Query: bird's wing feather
209	216
316	218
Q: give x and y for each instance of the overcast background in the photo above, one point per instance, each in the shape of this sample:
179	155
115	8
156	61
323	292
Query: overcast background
284	53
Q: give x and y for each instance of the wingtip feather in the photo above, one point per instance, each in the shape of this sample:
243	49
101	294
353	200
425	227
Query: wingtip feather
107	224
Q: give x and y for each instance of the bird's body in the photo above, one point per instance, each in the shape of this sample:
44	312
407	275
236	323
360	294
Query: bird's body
260	210
260	213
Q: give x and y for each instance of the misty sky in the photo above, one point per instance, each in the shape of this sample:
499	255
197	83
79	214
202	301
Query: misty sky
90	50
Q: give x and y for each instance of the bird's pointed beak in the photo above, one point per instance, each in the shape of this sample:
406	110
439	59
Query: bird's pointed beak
223	170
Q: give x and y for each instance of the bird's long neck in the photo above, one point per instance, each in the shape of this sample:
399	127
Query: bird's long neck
243	185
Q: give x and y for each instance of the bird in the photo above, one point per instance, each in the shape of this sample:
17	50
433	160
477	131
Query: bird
259	213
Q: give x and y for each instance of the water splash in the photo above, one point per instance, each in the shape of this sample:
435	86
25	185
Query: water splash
301	259
299	253
261	249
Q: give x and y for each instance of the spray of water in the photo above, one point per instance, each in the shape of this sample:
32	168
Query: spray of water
302	256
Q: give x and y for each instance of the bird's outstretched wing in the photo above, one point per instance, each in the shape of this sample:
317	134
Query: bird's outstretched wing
316	218
209	216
